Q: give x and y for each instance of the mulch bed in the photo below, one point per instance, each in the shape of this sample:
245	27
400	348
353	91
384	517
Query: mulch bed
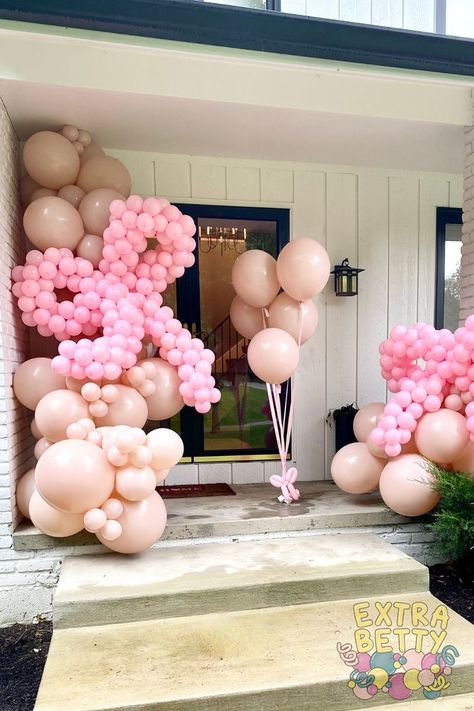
23	648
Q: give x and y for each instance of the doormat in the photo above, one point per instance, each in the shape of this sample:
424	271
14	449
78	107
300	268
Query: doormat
184	491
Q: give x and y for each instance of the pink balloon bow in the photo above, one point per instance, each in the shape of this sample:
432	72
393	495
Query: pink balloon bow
285	481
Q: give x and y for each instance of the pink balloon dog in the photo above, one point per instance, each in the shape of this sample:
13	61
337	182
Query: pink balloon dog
446	380
120	302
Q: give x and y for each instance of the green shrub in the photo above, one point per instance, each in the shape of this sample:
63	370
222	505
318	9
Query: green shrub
454	516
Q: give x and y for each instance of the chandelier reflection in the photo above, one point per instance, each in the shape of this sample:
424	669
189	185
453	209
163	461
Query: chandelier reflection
227	239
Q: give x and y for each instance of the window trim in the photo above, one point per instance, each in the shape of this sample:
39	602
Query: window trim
260	30
444	216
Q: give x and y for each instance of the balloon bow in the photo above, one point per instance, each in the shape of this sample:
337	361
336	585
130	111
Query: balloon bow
286	481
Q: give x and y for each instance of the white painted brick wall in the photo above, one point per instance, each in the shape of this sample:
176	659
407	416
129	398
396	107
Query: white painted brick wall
467	259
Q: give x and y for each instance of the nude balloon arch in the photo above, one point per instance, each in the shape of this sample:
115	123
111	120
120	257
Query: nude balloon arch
94	280
430	416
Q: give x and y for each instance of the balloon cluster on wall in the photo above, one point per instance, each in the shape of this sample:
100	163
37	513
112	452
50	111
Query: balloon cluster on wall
277	323
94	282
430	416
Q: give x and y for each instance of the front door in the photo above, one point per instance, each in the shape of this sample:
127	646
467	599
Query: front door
239	426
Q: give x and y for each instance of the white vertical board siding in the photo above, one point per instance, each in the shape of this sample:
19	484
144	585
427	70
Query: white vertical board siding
382	220
373	284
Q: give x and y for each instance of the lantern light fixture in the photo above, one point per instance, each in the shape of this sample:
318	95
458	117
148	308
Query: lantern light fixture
346	279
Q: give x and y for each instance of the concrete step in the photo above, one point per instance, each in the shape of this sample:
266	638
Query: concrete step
198	579
460	702
272	659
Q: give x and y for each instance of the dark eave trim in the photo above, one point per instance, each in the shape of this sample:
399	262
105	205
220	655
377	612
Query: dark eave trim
227	26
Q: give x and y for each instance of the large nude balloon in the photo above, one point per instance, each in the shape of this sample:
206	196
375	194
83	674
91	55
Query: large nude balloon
465	462
143	523
74	476
166	401
53	222
273	355
442	436
247	320
95	209
51	159
90	151
24	492
103	171
130	409
406	487
355	470
254	278
285	313
51	521
166	448
90	247
57	410
34	379
303	268
366	420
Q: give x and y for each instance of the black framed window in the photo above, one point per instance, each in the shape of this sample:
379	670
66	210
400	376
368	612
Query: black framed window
448	266
239	426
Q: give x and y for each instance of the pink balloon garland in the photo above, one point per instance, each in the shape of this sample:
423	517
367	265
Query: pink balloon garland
446	380
120	302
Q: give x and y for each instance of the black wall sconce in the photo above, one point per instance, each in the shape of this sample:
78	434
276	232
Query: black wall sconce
346	279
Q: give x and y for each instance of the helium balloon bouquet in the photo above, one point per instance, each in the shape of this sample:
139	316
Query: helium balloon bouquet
94	280
274	309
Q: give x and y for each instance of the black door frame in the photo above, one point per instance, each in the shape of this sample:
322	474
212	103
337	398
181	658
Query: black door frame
188	311
444	216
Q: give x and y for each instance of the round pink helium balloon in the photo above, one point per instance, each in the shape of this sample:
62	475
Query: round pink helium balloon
75	476
34	379
51	521
166	401
130	409
303	268
273	355
57	410
465	462
254	278
24	491
285	313
135	483
143	523
247	320
166	447
53	222
406	486
355	470
51	160
442	436
95	209
366	420
103	171
90	247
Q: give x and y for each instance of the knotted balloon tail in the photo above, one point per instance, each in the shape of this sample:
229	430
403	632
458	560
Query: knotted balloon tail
283	425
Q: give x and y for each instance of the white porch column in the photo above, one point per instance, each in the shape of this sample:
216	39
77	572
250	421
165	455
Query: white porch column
467	260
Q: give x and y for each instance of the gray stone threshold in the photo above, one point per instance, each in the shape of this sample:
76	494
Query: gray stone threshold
254	511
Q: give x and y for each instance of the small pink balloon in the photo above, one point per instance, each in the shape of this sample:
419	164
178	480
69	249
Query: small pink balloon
111	531
135	484
113	508
94	520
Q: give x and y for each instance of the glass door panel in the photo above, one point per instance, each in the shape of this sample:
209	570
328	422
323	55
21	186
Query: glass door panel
448	281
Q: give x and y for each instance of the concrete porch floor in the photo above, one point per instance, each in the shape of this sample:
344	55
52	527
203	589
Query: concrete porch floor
253	511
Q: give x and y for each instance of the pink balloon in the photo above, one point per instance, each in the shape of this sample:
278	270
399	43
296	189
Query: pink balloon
51	160
90	247
130	409
142	522
53	222
57	410
166	401
406	486
442	436
112	508
366	420
41	446
75	476
355	470
254	278
94	520
303	268
273	355
35	378
166	447
24	490
51	521
135	483
286	313
247	320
